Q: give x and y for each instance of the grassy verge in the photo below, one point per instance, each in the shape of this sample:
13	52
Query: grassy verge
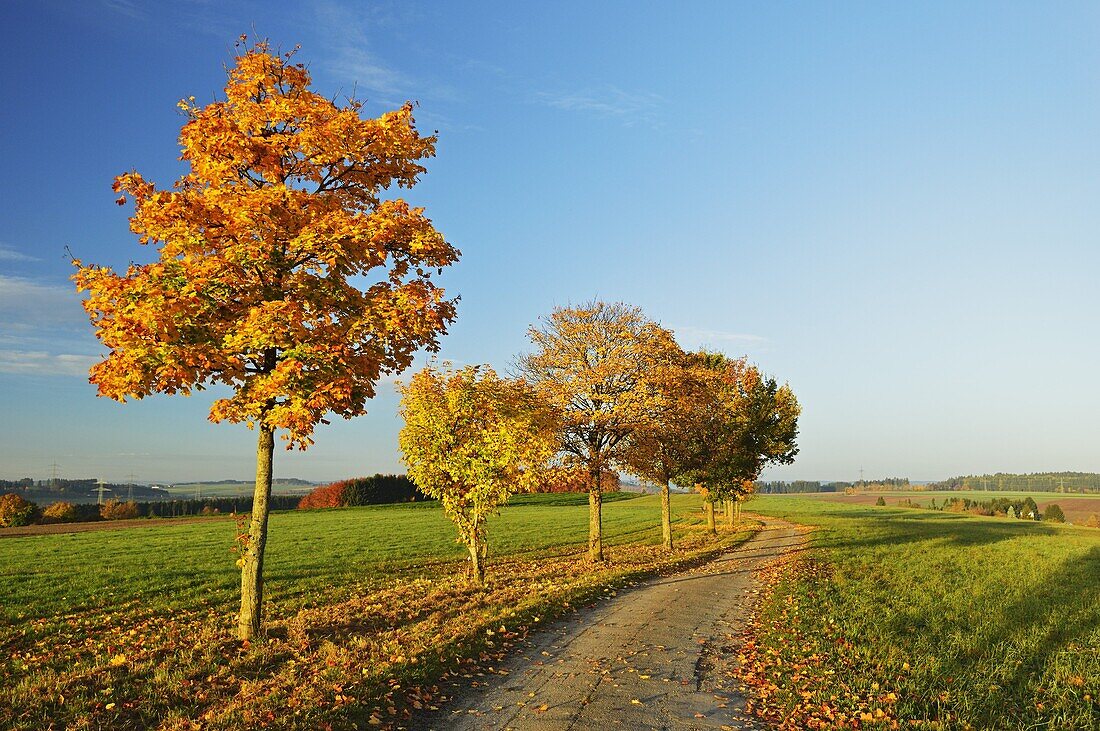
908	618
369	608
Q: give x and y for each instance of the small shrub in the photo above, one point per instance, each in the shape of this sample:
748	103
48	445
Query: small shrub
15	510
118	510
1093	521
881	501
1054	514
60	512
326	496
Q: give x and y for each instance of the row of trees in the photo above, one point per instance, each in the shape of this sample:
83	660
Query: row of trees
604	387
288	273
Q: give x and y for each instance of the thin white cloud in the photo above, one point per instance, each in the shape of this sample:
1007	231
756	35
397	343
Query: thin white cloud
27	303
349	56
38	320
609	102
694	337
41	363
8	253
125	7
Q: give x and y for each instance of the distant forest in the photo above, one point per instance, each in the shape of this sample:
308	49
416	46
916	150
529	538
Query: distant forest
798	486
1070	482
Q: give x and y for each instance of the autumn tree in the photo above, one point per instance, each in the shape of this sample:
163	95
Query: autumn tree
668	444
712	441
280	273
766	431
471	439
590	363
1054	514
15	510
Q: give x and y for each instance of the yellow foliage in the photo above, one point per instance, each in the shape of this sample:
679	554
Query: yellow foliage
471	439
593	364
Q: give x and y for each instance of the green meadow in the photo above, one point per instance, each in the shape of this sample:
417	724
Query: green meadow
313	556
970	622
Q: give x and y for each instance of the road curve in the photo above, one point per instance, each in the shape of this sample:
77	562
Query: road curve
645	659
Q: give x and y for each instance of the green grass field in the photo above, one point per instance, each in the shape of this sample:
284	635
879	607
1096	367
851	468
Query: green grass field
312	556
970	622
133	628
893	615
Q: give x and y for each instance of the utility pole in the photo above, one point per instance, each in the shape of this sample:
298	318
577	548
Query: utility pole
130	490
102	487
861	475
55	476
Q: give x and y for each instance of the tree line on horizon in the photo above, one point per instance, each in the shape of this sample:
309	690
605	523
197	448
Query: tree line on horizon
1068	482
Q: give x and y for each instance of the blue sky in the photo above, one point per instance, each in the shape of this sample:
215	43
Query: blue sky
893	207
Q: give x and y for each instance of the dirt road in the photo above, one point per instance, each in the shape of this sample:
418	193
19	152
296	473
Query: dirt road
649	658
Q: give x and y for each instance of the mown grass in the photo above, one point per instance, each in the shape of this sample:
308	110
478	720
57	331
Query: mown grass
133	628
936	620
312	556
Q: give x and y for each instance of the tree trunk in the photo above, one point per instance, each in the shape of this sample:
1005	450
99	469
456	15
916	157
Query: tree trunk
252	570
595	525
595	513
729	513
666	516
737	507
709	505
477	565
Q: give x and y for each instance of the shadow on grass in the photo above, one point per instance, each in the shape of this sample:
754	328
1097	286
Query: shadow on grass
1058	614
901	527
1014	650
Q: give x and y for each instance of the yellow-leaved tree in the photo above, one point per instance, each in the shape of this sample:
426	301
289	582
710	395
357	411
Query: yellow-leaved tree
281	271
471	439
592	363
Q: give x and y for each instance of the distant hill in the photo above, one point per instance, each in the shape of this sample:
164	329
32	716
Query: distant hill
289	481
1067	482
238	488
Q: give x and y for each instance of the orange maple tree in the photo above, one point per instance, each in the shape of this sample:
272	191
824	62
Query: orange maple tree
282	271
